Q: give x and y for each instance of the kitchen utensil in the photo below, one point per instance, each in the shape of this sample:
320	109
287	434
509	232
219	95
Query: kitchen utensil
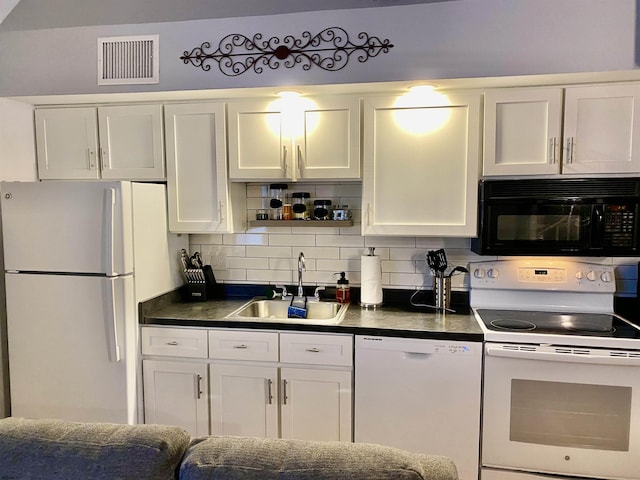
457	269
441	260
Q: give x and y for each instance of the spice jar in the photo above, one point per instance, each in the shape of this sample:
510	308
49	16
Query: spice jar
321	209
277	194
301	206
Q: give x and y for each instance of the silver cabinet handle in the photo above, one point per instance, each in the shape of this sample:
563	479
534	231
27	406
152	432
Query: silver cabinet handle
300	162
221	209
313	350
284	159
199	386
269	393
552	150
104	157
284	392
570	146
173	343
91	155
241	346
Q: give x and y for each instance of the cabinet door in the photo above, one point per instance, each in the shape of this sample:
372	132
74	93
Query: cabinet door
259	147
602	129
244	400
175	394
522	131
197	190
421	164
316	404
328	147
131	142
67	143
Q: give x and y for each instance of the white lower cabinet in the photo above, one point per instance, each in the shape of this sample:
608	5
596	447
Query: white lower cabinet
244	400
316	404
255	383
175	394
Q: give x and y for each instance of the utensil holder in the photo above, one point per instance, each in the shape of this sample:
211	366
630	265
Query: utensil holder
442	292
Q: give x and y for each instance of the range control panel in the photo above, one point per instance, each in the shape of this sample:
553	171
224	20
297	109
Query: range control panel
536	274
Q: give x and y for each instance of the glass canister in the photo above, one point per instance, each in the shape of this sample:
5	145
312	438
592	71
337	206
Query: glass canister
341	212
277	192
321	209
301	205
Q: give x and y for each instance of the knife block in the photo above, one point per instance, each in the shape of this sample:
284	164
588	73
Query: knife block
202	285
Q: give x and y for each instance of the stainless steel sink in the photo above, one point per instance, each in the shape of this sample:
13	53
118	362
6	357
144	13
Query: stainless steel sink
326	313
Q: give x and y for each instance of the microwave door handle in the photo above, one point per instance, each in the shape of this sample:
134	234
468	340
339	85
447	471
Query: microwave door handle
597	226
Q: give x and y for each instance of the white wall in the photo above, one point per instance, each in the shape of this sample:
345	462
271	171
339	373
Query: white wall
17	142
465	38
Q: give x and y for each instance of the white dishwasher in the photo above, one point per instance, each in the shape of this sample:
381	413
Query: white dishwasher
420	395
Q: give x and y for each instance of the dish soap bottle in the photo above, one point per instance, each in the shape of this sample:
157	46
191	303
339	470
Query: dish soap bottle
343	292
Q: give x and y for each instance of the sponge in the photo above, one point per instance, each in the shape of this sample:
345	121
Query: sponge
297	307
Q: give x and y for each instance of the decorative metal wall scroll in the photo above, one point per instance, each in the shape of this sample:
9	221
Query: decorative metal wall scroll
330	50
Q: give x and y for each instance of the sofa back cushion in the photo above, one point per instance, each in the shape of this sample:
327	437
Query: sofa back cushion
56	450
228	458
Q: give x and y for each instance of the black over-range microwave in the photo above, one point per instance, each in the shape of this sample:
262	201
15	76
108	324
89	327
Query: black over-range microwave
577	216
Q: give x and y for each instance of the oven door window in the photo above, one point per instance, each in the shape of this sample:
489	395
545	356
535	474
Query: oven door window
570	414
535	228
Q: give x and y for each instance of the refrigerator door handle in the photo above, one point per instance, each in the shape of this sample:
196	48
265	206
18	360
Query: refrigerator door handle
112	324
110	199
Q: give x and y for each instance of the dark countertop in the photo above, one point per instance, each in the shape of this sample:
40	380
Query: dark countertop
397	321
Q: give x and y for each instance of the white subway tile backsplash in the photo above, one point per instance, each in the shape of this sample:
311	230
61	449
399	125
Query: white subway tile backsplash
292	240
269	252
270	276
398	266
205	239
340	240
246	239
248	263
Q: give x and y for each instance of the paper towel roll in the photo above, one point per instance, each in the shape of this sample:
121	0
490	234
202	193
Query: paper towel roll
370	281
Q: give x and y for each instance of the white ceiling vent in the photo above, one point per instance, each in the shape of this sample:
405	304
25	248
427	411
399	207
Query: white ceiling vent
128	60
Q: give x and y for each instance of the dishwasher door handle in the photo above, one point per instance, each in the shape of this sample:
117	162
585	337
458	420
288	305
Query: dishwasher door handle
416	355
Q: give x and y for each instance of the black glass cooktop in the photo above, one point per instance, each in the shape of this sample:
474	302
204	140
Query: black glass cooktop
558	323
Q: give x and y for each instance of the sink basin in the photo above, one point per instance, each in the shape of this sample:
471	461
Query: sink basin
327	313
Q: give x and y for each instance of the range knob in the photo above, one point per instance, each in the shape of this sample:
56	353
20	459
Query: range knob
493	273
479	273
579	275
591	275
606	276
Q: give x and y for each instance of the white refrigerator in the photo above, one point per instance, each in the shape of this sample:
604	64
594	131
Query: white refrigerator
78	257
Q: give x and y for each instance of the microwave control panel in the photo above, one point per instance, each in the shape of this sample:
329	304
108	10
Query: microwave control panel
619	223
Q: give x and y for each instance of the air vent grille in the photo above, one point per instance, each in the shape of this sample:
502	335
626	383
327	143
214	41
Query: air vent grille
128	60
590	188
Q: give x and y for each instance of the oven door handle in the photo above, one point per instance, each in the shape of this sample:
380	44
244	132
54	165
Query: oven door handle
563	357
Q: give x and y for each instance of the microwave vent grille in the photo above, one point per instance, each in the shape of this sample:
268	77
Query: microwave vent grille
564	188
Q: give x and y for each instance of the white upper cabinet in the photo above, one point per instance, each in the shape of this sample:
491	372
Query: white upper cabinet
294	139
197	188
523	131
522	134
421	165
115	142
602	129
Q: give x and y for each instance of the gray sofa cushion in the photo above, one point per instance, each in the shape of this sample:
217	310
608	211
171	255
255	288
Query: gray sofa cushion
236	458
53	449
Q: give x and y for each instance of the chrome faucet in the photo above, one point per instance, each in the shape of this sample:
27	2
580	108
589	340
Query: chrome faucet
301	266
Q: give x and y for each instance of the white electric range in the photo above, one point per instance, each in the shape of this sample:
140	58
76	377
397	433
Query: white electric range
561	388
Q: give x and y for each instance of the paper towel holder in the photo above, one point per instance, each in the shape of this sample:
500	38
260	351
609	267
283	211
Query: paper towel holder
367	305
